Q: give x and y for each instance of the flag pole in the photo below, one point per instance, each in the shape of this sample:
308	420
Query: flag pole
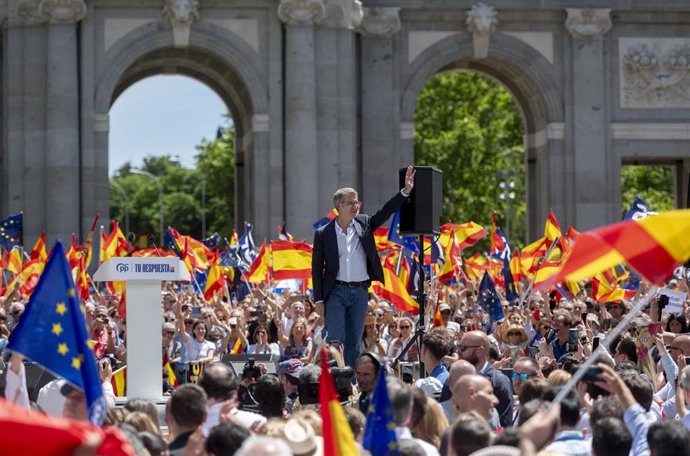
604	344
528	291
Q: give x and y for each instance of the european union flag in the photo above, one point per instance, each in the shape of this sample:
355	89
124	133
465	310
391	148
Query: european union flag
409	242
52	332
379	434
639	210
11	232
488	299
504	255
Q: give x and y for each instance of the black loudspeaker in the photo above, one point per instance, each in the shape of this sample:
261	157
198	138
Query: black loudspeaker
421	212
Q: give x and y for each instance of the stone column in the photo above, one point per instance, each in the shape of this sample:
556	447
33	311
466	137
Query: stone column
590	115
62	118
336	94
301	155
383	134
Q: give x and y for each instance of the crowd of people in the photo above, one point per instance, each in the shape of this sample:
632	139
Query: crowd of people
486	388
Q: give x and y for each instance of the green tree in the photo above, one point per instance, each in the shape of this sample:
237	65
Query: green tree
182	191
654	184
470	127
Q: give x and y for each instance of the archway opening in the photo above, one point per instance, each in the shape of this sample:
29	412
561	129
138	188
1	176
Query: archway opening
469	126
171	139
656	183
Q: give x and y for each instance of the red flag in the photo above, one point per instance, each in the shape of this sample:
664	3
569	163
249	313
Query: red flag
337	435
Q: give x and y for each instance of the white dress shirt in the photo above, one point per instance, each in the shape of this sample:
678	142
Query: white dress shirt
353	261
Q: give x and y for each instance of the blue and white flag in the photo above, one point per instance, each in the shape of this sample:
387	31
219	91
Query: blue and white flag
639	210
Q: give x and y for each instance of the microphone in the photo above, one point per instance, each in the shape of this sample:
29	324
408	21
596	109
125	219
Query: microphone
151	239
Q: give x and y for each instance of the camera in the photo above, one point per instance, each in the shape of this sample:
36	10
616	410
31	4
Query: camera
342	379
110	359
250	371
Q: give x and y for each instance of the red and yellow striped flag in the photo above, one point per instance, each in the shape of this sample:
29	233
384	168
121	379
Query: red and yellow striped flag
291	260
381	239
119	382
451	268
466	234
394	291
653	247
215	280
258	271
14	260
39	249
172	378
604	291
337	435
547	270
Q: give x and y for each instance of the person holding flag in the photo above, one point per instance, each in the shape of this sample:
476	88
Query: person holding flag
345	261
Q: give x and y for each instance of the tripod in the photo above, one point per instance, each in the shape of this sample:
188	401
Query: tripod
421	300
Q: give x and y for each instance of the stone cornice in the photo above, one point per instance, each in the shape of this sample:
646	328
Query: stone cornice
588	22
62	11
301	12
380	22
341	14
28	13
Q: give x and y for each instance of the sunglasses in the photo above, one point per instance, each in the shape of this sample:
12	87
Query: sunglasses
170	333
189	322
405	326
613	306
522	377
514	334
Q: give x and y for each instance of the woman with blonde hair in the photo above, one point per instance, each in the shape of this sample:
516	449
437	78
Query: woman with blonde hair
558	377
296	344
433	423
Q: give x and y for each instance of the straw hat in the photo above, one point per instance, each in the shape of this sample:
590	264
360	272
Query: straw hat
301	438
512	329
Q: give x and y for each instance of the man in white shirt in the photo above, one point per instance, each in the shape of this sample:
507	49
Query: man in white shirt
345	261
401	405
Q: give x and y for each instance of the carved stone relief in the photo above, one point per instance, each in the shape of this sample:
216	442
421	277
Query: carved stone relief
588	22
181	14
301	12
654	72
481	21
380	22
344	14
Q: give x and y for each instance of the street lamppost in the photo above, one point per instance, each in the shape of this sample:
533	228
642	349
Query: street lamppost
119	188
160	195
507	186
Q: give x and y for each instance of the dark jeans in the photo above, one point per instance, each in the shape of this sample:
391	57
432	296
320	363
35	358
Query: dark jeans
346	310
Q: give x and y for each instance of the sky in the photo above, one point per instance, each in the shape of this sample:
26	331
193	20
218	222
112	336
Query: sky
163	115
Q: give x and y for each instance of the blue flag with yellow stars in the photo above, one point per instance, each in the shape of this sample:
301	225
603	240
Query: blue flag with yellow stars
52	332
409	242
488	299
11	232
379	434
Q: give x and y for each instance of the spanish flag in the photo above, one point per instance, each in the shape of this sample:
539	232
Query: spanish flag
605	291
119	382
653	247
14	260
395	291
39	249
451	268
258	271
337	435
381	239
291	260
466	234
172	378
547	270
215	280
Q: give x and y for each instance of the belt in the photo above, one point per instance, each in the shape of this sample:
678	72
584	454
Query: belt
363	284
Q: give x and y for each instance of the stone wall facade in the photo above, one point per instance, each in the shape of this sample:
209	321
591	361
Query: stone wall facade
322	93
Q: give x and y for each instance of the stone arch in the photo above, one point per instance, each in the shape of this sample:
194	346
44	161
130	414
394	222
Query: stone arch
531	79
215	57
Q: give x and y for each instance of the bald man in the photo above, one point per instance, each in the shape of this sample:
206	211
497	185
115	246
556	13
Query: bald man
474	393
474	348
679	347
457	370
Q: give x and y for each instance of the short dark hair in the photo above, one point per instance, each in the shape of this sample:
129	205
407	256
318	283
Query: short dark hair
188	405
437	342
529	409
508	437
570	406
668	438
410	447
270	394
611	437
226	438
606	407
628	348
640	388
219	382
469	434
532	388
153	443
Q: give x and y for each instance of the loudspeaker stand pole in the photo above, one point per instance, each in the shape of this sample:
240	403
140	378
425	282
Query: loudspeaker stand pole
421	300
